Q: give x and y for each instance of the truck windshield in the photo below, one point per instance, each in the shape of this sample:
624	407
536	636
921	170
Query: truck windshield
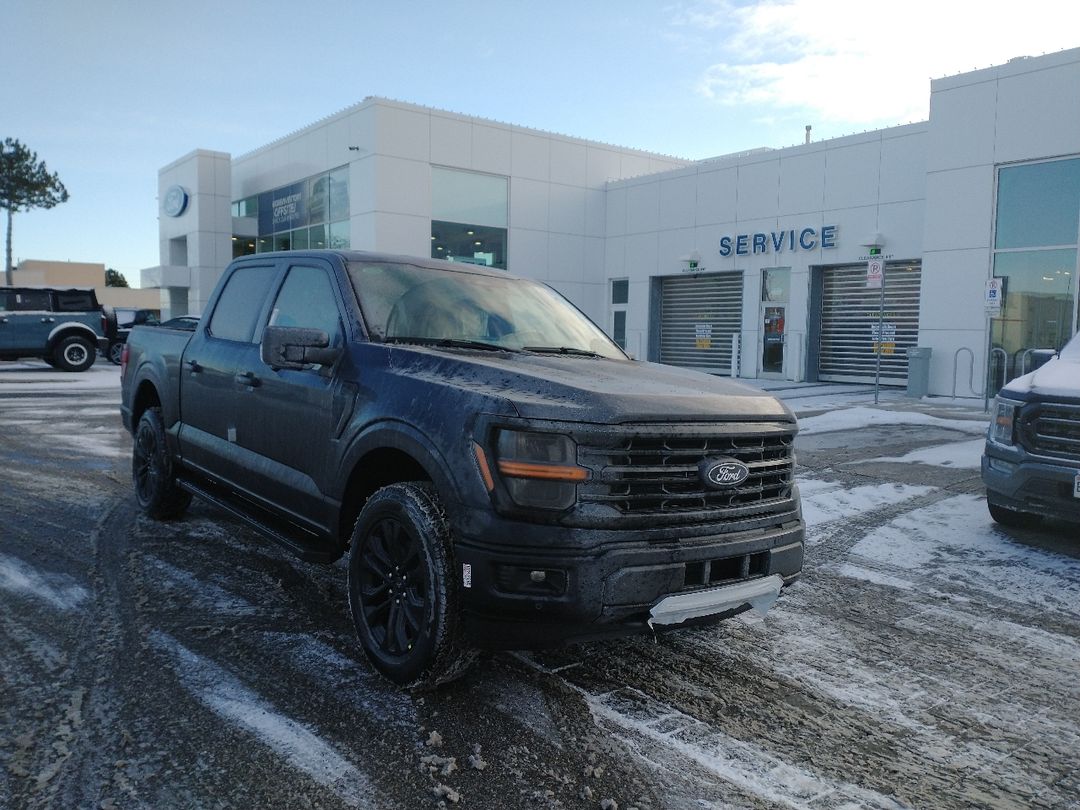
409	303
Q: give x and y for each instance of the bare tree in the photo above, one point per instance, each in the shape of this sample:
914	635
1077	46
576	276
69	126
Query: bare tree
25	183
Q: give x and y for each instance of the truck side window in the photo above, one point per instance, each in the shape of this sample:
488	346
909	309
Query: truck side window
32	300
75	301
307	299
240	303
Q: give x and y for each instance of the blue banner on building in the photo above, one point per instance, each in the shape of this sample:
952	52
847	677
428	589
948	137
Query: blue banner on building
282	209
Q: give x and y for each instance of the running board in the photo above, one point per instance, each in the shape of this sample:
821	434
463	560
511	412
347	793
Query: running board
291	544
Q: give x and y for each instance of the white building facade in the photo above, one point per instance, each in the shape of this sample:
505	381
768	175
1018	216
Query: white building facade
762	264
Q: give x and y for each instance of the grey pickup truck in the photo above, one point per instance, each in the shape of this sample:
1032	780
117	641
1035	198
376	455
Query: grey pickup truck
499	472
1031	466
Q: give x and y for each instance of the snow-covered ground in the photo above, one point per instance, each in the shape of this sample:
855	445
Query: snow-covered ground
928	657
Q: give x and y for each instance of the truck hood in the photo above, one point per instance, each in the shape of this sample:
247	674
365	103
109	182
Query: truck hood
1058	378
587	389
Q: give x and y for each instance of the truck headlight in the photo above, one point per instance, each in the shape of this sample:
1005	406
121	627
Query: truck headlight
1001	428
539	469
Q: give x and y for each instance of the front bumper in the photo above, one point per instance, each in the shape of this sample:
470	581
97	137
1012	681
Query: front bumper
1022	482
612	583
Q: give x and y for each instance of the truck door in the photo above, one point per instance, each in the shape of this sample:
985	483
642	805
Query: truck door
213	392
290	422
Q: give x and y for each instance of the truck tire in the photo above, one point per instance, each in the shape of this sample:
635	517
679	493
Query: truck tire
74	353
116	348
403	591
1014	520
151	470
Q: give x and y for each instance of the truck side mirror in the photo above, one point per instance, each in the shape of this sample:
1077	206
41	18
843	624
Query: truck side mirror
295	347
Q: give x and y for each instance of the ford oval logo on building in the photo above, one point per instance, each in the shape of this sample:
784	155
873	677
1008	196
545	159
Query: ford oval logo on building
722	473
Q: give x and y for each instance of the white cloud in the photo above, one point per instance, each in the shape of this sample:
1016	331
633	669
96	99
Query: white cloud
864	62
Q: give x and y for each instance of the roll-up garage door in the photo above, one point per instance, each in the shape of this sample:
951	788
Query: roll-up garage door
698	316
849	323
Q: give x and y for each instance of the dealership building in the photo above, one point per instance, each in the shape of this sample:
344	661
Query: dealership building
825	261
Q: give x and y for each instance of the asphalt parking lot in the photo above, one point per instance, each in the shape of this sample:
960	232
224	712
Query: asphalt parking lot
928	658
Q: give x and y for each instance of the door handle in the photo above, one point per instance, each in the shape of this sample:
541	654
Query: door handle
194	366
247	378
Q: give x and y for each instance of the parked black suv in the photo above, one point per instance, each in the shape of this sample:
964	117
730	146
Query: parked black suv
118	323
63	327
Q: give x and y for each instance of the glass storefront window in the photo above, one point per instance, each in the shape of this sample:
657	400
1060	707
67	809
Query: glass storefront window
1037	311
1036	241
471	244
458	196
247	207
242	246
309	214
1038	204
317	198
776	284
339	194
339	235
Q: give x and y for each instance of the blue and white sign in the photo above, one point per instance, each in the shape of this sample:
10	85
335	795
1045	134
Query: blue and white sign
789	241
175	202
283	209
992	295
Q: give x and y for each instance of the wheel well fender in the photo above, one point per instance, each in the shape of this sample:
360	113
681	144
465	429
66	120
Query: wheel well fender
146	396
384	454
71	329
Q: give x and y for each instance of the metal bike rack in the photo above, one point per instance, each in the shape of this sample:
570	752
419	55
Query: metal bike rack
971	370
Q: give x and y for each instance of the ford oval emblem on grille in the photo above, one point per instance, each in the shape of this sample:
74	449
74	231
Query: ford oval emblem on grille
723	473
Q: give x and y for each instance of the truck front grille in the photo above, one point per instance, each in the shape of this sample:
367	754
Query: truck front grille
649	472
1055	430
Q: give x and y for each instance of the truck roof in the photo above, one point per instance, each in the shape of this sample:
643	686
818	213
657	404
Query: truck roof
395	258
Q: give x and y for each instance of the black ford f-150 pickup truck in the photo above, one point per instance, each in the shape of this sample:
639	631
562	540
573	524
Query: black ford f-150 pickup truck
500	473
1031	465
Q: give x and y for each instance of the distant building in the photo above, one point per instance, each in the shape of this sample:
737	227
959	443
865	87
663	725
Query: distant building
36	273
760	264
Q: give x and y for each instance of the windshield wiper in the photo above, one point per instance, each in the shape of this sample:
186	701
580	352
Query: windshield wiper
562	350
456	343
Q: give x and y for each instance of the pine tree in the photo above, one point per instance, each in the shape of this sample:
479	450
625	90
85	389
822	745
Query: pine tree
25	183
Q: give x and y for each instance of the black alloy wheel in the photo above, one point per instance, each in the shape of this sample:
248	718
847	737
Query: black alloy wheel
402	587
151	470
394	587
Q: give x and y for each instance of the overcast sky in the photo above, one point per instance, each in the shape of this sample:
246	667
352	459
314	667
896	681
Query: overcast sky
108	91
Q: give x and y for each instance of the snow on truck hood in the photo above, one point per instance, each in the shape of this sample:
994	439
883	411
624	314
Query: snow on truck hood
590	389
1059	377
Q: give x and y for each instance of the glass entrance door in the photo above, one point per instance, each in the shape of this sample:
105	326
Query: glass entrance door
772	346
775	293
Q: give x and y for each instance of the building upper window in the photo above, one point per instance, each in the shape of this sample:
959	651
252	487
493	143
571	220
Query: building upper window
468	217
1038	204
458	196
